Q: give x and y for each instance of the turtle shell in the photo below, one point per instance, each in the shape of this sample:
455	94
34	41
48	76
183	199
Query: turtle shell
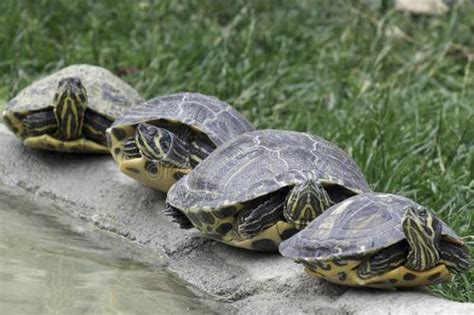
260	162
360	225
216	119
107	94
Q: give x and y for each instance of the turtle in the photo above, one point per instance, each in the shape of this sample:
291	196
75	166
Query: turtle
262	187
70	109
379	240
164	138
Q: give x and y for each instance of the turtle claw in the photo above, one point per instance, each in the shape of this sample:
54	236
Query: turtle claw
178	217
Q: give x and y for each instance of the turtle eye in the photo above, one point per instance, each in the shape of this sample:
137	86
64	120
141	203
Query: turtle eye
429	232
77	81
422	212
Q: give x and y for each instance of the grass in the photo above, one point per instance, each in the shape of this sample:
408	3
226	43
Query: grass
390	88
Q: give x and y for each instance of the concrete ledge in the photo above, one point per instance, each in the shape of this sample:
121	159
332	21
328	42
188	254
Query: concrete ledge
91	188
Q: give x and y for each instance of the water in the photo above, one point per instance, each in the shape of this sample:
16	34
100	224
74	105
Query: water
53	264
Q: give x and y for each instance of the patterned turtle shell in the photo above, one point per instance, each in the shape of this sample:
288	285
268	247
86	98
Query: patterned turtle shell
215	120
107	95
254	165
333	245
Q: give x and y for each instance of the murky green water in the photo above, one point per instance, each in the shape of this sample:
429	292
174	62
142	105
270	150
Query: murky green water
53	264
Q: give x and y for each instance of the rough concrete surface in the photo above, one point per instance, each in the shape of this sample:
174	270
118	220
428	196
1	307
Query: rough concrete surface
91	188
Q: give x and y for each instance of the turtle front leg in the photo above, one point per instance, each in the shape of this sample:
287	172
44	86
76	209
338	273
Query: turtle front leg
255	219
161	145
199	151
40	123
383	261
94	126
305	203
454	256
199	145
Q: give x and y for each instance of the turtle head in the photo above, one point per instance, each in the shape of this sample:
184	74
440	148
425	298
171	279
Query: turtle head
423	233
161	145
305	202
70	103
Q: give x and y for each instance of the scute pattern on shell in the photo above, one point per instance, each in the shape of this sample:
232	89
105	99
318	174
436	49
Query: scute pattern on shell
261	162
217	119
107	94
357	226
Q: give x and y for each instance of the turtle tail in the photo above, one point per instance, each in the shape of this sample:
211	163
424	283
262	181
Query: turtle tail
178	217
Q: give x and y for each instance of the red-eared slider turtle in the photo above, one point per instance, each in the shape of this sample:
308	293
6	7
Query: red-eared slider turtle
70	109
378	240
164	138
263	186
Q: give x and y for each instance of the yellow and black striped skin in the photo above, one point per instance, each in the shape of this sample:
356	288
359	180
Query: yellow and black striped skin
306	202
290	211
423	233
107	97
160	144
69	106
